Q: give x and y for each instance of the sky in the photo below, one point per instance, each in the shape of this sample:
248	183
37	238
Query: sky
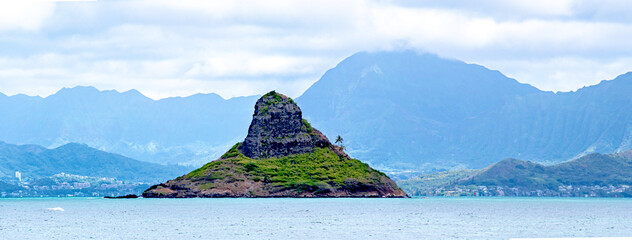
236	48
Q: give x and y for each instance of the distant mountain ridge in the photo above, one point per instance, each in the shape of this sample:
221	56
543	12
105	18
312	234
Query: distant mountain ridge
425	113
592	169
178	130
595	175
35	162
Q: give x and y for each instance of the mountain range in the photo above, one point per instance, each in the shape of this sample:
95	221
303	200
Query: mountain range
425	113
168	131
35	162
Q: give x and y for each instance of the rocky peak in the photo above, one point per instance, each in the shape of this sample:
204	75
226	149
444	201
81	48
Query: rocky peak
278	129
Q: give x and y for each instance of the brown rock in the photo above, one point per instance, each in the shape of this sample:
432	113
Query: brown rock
278	129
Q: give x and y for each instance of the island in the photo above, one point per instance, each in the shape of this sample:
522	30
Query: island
282	156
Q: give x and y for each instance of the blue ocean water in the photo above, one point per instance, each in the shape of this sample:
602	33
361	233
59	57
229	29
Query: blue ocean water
416	218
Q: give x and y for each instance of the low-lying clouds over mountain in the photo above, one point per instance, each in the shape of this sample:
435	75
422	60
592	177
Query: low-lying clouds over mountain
241	48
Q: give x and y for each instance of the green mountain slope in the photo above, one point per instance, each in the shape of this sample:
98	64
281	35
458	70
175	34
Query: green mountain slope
592	175
592	169
35	162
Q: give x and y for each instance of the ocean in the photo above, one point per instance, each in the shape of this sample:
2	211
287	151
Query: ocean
414	218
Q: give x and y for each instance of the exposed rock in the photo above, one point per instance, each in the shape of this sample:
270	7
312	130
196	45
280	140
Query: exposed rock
278	129
128	196
282	156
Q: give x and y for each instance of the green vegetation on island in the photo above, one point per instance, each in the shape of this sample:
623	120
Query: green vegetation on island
282	156
320	171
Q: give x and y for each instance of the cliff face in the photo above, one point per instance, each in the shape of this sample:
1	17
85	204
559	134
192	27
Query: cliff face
282	156
278	129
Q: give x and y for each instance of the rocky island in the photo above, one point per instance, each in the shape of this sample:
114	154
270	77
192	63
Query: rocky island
282	156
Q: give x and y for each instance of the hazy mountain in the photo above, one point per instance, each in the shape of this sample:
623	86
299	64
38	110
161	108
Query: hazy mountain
395	110
189	130
417	111
35	161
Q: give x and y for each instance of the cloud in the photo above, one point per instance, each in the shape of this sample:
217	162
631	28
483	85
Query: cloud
235	48
501	9
252	65
448	29
553	54
562	73
28	15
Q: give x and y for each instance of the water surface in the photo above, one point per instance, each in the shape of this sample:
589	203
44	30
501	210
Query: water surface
416	218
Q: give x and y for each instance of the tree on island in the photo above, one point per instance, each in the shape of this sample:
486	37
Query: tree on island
339	140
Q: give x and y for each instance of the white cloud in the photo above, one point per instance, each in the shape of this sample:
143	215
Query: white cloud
502	9
439	30
556	55
231	64
25	14
562	73
540	7
167	48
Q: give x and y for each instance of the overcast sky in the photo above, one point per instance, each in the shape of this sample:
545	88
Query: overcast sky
235	48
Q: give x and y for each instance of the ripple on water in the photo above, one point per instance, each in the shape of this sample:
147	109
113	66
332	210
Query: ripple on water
438	218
